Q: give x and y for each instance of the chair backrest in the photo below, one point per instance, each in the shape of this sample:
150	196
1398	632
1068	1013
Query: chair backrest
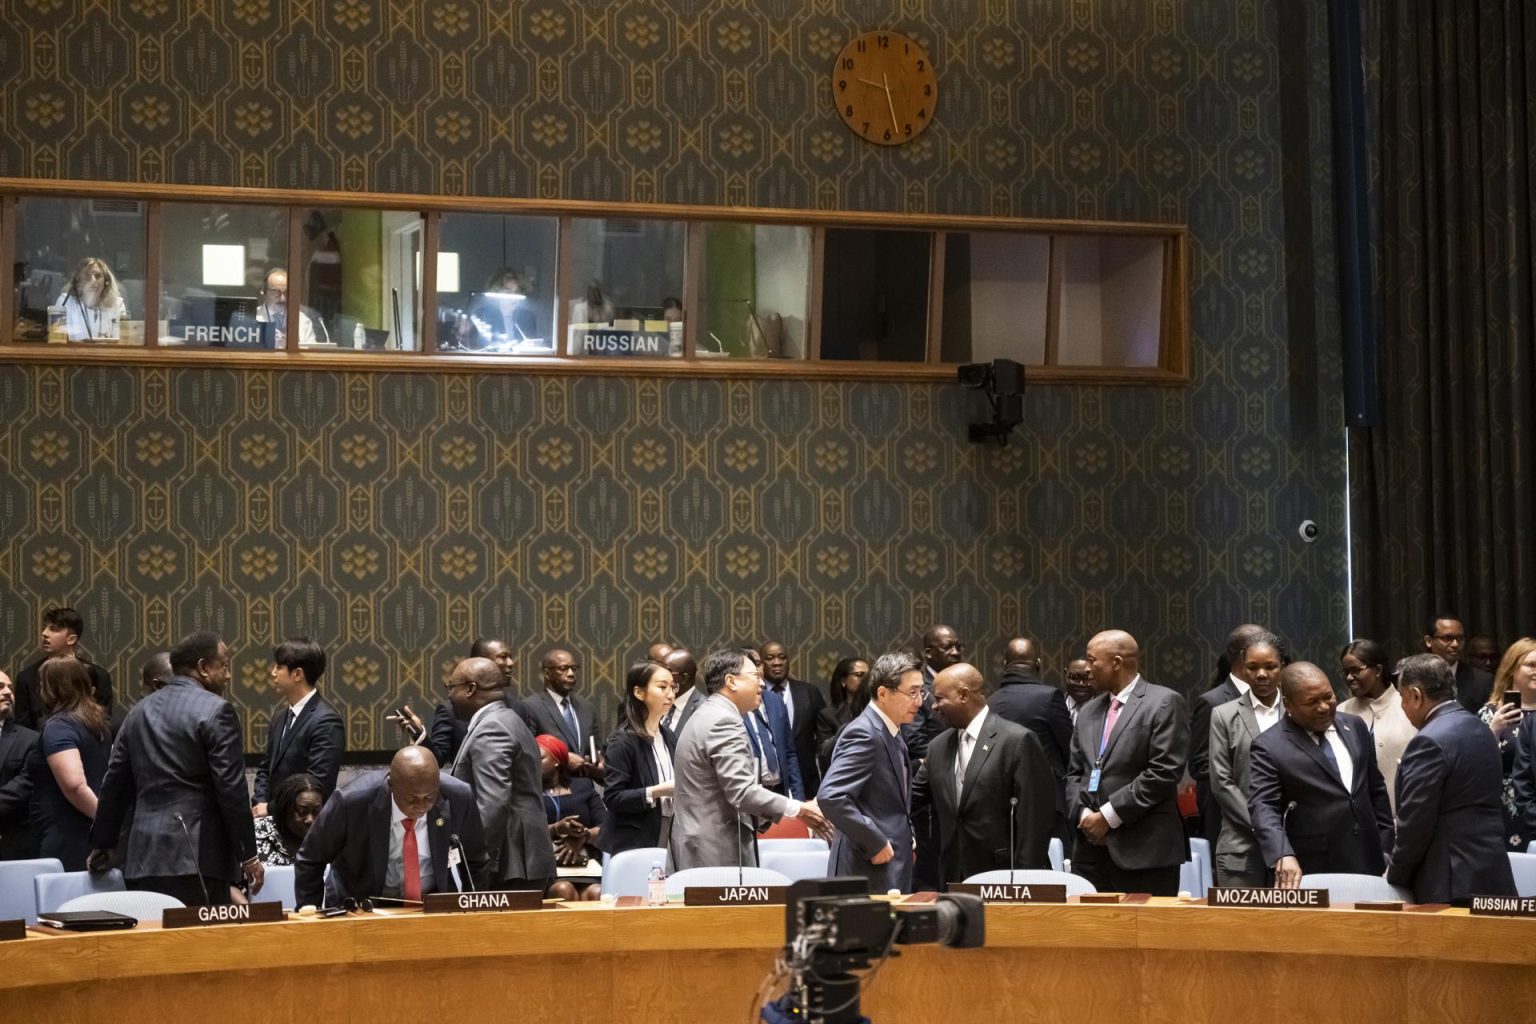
1076	885
53	889
18	896
1056	852
787	828
1523	866
626	873
1346	888
279	885
797	864
144	905
765	846
1200	853
1189	877
689	877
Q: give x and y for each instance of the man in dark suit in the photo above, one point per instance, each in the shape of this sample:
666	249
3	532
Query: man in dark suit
1232	686
685	670
500	761
1078	684
1024	700
62	630
1446	639
306	734
16	741
392	834
773	745
1316	798
1129	750
867	791
177	775
993	795
941	648
1450	823
557	710
802	702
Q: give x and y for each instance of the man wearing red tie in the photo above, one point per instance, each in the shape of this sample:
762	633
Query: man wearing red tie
1129	747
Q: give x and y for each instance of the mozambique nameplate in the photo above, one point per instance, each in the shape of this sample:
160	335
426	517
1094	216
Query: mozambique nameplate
1504	906
232	913
733	895
482	902
1235	896
1012	892
12	930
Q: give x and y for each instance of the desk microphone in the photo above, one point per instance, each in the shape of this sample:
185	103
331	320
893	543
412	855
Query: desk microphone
1288	809
456	843
1013	807
196	867
741	857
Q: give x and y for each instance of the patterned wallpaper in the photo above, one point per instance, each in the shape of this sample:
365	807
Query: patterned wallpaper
395	516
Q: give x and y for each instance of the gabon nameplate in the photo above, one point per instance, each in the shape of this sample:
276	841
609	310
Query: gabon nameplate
233	913
1012	892
482	902
1233	896
1503	906
733	895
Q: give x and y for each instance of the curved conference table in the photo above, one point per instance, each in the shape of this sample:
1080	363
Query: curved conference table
1158	961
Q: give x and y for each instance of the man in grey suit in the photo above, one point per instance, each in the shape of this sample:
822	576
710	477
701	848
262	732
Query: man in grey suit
1233	728
500	761
993	792
717	796
867	791
177	775
1129	749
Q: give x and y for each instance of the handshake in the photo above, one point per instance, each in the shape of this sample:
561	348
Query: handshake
816	821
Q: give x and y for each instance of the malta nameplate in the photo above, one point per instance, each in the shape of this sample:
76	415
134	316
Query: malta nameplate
1233	896
1504	906
1012	892
482	902
733	895
233	913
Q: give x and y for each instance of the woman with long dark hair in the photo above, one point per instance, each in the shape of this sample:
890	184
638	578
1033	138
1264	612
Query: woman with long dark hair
295	805
68	763
845	690
638	790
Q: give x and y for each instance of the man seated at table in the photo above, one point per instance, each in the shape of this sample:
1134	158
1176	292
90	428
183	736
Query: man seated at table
392	834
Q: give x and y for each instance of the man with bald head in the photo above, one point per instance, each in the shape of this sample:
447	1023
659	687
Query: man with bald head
1316	797
987	781
1230	685
659	651
501	763
685	670
392	834
941	648
1129	749
1023	699
555	709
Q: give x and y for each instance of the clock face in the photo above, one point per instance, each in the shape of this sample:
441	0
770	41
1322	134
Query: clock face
884	87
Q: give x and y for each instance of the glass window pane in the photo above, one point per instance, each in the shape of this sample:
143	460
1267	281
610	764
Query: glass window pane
496	284
756	290
362	287
995	297
1111	301
224	277
874	298
80	271
626	287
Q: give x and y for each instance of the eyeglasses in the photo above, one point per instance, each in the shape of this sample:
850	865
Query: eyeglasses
916	694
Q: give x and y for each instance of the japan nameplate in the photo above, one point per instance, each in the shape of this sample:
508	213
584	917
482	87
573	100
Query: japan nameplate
482	902
233	913
1012	892
1233	896
733	895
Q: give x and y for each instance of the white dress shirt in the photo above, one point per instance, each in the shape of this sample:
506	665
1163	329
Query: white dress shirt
1266	717
1121	698
895	729
1341	753
663	759
296	709
394	873
965	746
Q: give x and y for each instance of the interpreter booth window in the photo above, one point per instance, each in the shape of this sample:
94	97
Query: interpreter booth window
224	278
996	294
626	288
361	279
79	272
1111	300
755	293
874	295
496	284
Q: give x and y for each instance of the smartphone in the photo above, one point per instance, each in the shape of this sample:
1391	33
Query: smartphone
1512	697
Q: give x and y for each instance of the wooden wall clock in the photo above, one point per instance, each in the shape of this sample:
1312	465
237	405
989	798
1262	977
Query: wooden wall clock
884	87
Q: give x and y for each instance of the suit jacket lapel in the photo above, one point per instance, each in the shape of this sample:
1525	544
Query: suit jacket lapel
893	749
9	732
1303	739
383	814
437	842
982	749
1248	718
941	768
1126	714
292	725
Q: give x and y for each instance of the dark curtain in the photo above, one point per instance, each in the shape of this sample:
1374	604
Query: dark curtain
1443	493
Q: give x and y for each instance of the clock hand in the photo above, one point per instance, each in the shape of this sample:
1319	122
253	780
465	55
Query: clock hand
867	81
889	102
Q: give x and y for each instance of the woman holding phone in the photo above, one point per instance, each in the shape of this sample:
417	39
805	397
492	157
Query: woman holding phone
1513	694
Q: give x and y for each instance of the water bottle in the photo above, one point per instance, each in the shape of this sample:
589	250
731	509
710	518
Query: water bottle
656	886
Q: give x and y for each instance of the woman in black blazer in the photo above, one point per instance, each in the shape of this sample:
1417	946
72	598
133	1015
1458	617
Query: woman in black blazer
638	789
847	680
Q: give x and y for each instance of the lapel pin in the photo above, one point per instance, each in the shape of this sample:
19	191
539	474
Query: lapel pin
985	748
439	823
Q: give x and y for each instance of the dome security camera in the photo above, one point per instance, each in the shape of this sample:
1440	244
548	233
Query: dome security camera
1308	531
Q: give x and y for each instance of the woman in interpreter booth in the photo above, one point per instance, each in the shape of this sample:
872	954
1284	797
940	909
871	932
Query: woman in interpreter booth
93	302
